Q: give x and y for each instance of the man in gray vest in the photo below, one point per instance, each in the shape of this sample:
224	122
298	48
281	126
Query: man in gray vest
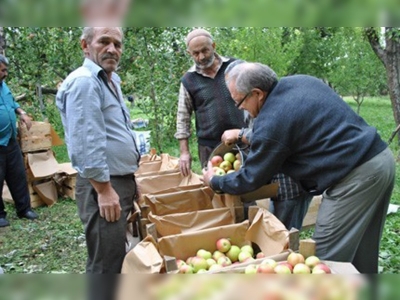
204	92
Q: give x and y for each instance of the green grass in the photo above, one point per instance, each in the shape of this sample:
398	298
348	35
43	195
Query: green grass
55	243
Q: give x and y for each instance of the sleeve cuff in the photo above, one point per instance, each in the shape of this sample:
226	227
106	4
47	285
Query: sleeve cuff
214	184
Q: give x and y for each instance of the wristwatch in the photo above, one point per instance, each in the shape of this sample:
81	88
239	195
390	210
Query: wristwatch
240	135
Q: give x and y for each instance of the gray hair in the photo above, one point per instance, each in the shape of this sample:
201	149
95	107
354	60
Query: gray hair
251	75
88	33
4	60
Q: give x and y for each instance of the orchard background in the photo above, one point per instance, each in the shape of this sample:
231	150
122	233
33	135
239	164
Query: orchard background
358	63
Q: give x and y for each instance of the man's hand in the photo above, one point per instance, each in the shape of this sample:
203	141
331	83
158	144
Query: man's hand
207	174
185	163
230	137
27	120
108	201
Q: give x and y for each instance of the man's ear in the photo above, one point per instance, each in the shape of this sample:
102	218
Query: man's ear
84	46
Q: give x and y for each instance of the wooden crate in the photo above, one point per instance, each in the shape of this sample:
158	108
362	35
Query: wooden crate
37	138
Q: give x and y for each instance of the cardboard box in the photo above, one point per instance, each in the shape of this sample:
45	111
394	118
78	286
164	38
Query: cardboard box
343	268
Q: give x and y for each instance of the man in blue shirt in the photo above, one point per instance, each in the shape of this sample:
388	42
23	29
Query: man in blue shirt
101	146
12	168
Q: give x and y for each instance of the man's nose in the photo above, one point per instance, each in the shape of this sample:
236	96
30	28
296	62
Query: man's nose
111	48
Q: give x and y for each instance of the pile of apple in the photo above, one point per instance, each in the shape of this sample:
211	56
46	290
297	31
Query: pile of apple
295	264
225	254
226	164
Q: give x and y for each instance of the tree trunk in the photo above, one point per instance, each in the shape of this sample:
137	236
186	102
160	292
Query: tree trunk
390	57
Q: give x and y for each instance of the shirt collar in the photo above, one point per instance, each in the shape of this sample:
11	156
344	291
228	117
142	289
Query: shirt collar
221	58
98	71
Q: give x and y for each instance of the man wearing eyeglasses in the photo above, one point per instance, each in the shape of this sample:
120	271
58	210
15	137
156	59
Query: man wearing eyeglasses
305	130
204	92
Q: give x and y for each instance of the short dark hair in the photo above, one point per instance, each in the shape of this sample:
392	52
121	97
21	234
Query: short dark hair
3	60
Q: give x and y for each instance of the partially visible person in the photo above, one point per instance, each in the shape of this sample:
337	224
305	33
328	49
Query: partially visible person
305	130
204	92
12	169
291	203
102	148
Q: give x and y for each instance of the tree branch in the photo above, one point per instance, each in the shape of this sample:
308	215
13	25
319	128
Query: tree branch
373	38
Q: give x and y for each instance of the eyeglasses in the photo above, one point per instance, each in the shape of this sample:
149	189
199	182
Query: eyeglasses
244	98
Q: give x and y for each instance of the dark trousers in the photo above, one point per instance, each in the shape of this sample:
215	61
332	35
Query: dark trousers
291	212
12	170
105	240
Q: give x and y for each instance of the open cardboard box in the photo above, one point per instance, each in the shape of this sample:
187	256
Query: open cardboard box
266	231
343	268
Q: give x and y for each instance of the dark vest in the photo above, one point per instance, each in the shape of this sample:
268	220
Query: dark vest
215	110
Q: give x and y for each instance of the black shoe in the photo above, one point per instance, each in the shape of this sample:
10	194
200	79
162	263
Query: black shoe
30	215
4	222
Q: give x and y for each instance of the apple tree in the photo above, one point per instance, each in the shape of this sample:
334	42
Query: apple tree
356	72
386	45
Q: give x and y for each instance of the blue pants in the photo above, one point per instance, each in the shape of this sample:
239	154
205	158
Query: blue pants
291	212
12	170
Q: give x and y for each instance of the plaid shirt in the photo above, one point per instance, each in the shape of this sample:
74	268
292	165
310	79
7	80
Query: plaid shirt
185	104
288	188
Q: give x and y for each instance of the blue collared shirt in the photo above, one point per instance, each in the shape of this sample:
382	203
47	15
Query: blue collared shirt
8	118
97	124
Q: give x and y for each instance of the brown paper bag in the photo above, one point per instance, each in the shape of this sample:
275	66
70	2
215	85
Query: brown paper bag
158	182
169	162
47	192
42	164
179	200
191	221
182	246
143	258
268	233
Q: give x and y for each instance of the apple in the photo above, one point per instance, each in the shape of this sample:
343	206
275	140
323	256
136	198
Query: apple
285	263
188	260
269	261
248	248
322	266
218	171
265	269
226	165
216	160
224	261
230	171
260	255
282	269
210	262
301	268
237	164
233	253
198	263
238	156
229	156
180	262
204	254
318	271
249	259
186	269
223	245
215	267
312	261
243	255
295	258
251	269
201	271
217	254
